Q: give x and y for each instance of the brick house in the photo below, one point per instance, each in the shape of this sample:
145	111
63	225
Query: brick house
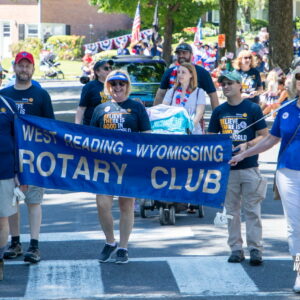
39	18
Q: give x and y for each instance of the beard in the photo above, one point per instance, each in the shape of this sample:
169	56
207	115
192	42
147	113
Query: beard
23	77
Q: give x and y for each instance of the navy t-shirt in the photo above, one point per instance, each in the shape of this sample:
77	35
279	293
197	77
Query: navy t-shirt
285	125
92	94
7	145
204	80
128	115
251	82
32	101
230	119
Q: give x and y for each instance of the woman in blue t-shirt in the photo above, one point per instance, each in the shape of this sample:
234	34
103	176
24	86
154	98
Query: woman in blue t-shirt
123	114
286	128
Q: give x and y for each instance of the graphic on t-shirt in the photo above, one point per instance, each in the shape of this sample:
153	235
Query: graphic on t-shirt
115	121
232	125
248	83
20	104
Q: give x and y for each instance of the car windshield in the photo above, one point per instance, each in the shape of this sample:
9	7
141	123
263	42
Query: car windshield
144	72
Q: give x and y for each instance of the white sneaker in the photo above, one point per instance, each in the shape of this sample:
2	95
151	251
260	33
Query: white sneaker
296	287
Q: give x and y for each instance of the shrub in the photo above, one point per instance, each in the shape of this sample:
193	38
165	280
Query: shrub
116	33
66	47
257	24
32	45
297	23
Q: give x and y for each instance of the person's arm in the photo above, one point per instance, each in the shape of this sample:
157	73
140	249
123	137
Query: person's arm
266	143
200	108
214	100
160	94
79	114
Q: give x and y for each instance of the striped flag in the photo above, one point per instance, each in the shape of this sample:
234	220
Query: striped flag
135	35
198	35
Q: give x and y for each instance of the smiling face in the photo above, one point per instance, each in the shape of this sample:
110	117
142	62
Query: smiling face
183	56
118	89
184	75
24	71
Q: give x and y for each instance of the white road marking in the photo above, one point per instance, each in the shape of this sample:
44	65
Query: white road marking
211	276
64	279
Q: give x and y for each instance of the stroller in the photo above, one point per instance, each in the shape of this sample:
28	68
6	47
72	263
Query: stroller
167	119
50	67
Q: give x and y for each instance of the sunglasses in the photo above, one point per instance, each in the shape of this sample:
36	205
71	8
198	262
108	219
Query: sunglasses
229	83
117	83
297	76
247	57
107	68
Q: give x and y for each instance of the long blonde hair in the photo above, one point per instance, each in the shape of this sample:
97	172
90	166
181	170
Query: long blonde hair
238	61
193	81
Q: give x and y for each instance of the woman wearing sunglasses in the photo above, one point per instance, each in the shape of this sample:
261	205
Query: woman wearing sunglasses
120	113
245	64
92	93
286	129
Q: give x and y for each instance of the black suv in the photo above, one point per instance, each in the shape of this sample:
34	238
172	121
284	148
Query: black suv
145	74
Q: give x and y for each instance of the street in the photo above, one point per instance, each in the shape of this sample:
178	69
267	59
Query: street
186	260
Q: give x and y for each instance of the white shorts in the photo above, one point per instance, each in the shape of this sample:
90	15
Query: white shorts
6	198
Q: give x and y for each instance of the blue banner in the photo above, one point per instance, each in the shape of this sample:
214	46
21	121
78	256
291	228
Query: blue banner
173	168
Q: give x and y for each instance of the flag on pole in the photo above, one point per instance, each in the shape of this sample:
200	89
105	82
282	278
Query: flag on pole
198	35
135	35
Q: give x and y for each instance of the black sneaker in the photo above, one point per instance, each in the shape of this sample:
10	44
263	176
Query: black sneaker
255	257
107	252
13	251
122	256
32	255
236	256
1	269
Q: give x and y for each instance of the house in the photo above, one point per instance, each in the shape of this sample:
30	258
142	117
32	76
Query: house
20	19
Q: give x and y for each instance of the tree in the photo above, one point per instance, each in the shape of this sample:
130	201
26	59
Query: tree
174	15
281	33
228	10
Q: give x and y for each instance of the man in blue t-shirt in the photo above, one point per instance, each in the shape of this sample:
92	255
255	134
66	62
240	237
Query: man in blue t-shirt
245	184
33	100
184	53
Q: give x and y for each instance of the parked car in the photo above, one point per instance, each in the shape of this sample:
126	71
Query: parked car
145	74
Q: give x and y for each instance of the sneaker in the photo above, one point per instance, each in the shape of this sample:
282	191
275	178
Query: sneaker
107	252
296	287
32	255
236	256
13	251
1	269
255	257
122	256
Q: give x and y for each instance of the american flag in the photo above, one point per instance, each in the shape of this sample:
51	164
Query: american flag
135	35
198	35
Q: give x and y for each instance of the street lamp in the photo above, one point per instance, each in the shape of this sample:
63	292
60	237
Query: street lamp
91	26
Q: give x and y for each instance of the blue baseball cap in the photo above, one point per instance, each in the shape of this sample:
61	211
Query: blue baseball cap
118	76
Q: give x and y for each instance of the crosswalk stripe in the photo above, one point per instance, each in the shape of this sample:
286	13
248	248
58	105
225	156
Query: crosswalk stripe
64	279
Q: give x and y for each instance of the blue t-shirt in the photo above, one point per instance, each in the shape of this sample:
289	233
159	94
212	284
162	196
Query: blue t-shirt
32	101
128	115
251	82
204	80
8	164
229	119
92	94
285	124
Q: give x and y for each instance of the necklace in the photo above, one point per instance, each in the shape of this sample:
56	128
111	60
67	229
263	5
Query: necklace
185	98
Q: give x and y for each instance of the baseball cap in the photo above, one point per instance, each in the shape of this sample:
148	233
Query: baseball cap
184	47
118	76
102	62
24	55
233	76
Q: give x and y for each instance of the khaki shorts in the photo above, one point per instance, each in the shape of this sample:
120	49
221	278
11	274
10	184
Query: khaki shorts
6	198
34	195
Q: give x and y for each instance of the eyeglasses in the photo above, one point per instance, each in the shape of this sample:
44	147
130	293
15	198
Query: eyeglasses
297	76
247	57
229	83
107	68
117	83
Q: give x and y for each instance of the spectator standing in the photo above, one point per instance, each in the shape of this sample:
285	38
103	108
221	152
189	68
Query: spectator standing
184	53
257	47
31	100
245	184
123	49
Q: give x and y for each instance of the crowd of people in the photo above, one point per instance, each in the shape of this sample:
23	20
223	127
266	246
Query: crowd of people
184	84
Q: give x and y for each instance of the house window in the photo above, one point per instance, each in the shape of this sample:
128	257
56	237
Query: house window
6	29
32	30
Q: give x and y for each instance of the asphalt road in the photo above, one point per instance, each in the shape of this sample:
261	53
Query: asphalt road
184	261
